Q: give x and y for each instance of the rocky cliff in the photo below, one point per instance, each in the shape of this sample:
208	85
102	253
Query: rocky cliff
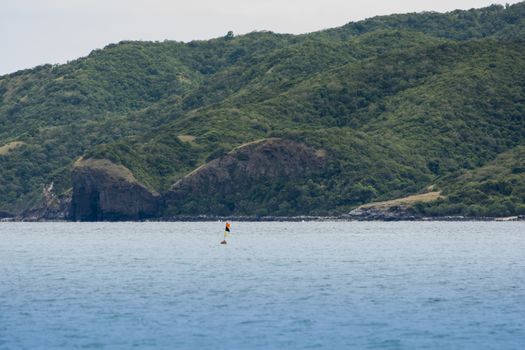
103	190
51	207
232	178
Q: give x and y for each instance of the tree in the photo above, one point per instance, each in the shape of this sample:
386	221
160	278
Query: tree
229	35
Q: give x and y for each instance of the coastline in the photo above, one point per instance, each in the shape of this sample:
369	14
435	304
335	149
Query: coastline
342	218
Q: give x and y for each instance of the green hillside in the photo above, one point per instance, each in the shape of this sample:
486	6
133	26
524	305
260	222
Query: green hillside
397	103
494	189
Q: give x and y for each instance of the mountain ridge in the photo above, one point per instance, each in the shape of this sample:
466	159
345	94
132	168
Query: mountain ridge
398	102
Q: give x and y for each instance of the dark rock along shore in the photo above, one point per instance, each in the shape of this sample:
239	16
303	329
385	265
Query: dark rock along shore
104	191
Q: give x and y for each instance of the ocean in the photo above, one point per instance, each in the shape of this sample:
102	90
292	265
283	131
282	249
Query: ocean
275	285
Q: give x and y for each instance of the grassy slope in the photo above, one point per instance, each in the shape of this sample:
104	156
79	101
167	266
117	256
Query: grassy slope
496	188
422	131
399	102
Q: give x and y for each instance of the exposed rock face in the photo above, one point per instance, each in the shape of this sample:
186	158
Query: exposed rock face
104	191
52	207
395	209
246	167
381	214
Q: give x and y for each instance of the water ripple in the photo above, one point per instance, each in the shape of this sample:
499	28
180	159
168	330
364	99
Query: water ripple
328	285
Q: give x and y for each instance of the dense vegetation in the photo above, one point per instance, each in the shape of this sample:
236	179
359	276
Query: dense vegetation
495	189
398	102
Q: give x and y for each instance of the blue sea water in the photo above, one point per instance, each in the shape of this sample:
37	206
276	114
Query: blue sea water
325	285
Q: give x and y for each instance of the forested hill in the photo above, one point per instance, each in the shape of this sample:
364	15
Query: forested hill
275	124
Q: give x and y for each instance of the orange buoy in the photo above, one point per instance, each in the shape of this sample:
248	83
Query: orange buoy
226	231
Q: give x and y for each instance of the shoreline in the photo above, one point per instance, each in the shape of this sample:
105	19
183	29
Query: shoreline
343	218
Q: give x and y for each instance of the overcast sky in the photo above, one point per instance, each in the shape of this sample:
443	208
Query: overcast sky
34	32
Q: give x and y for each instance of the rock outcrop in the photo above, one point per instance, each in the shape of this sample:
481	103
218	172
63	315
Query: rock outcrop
393	210
51	207
400	213
105	191
247	167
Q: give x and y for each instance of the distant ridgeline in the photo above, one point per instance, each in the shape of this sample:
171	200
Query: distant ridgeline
270	124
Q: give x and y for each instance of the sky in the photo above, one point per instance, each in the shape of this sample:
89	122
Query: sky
35	32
